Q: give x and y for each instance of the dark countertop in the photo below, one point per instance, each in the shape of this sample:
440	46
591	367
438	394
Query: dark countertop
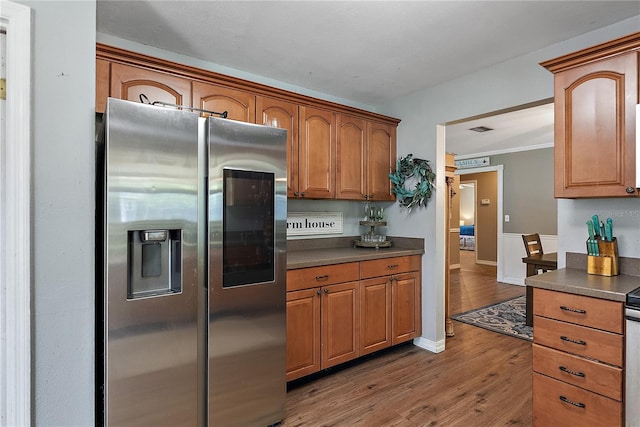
318	252
577	281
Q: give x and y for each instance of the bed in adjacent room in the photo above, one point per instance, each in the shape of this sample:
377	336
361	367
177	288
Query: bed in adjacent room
467	238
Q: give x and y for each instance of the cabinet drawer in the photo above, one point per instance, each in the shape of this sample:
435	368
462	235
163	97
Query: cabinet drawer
599	345
559	404
586	311
597	377
312	277
388	266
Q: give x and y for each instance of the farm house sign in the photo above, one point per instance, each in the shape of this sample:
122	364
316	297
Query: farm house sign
308	223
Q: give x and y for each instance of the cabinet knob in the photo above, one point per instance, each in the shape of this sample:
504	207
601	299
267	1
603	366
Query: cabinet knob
630	190
326	291
319	292
302	194
296	194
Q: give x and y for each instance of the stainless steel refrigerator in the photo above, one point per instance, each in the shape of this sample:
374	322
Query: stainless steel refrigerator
192	239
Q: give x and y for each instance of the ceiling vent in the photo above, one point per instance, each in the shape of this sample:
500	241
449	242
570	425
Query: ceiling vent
481	129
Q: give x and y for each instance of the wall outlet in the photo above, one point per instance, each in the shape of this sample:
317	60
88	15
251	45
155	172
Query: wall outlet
506	218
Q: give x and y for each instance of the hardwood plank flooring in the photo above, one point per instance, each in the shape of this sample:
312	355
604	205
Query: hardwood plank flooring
481	379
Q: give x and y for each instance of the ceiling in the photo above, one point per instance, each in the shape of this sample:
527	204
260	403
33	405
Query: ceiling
370	52
523	129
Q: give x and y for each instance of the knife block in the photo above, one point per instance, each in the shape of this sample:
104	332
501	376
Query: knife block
607	263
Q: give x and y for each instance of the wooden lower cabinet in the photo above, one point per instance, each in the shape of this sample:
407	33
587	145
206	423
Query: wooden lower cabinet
339	312
322	317
322	325
560	404
578	360
390	302
303	333
375	309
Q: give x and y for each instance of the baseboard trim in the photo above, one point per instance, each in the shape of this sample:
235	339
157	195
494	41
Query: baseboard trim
513	280
454	266
483	262
429	345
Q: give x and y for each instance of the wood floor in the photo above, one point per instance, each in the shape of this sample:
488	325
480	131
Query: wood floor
481	379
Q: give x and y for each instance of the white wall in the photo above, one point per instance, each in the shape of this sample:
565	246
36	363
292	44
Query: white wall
511	83
63	212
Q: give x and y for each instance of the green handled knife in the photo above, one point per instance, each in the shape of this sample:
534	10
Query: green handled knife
608	229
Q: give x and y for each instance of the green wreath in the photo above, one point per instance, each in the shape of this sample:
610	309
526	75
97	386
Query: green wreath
420	169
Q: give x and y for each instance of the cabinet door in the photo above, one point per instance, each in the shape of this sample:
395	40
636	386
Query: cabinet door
282	114
238	104
316	161
303	333
351	175
102	84
595	143
405	312
340	322
128	82
381	160
375	312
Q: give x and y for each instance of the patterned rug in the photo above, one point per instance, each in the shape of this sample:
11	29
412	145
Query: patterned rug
507	317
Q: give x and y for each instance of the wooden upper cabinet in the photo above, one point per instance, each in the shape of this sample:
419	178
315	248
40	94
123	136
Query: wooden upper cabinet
284	115
381	160
316	153
238	104
102	84
129	82
595	108
351	143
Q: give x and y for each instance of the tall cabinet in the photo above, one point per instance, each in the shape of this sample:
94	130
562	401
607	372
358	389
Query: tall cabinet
595	94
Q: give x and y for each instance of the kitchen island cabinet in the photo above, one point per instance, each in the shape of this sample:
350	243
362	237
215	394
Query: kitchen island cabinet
595	95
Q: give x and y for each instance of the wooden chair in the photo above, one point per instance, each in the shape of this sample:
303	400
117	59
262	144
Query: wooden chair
532	244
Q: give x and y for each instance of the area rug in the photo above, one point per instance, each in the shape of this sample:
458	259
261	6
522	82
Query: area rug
507	317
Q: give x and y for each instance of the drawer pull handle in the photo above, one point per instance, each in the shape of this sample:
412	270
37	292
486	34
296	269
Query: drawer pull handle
573	310
577	404
569	371
323	277
392	266
579	342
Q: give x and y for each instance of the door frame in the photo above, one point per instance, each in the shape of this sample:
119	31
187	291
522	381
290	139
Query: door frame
15	221
499	246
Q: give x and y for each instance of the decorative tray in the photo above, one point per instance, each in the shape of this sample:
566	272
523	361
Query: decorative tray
362	244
